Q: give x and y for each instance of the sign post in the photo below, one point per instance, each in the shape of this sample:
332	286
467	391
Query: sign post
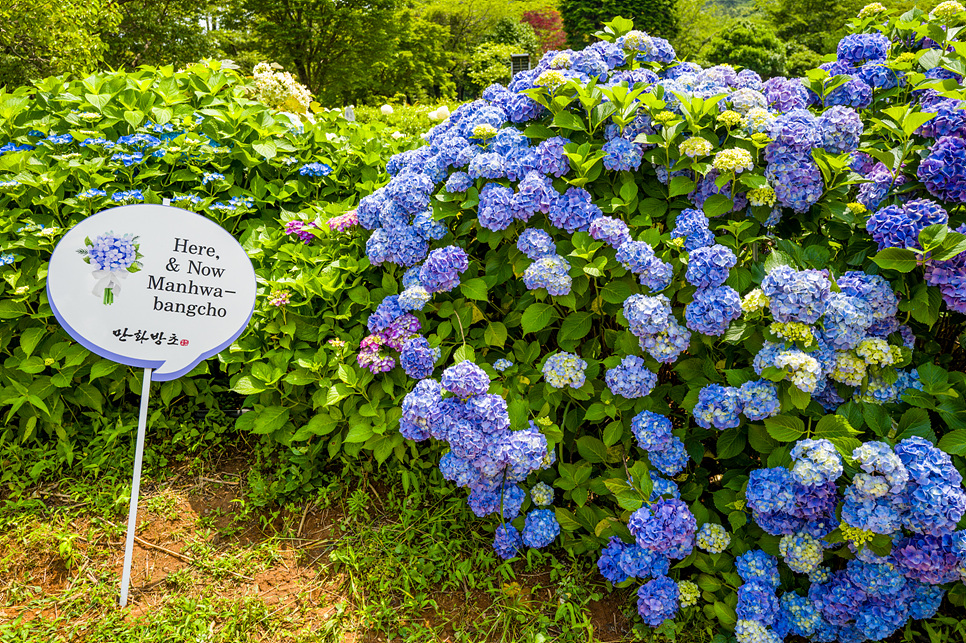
153	287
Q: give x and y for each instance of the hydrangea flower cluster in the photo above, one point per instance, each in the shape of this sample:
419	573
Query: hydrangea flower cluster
485	455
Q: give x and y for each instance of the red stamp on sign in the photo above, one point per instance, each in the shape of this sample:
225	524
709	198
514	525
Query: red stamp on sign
184	342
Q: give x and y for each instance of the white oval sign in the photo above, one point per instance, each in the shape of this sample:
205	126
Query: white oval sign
151	286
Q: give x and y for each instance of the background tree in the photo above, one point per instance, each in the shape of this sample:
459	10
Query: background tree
159	32
417	67
519	35
547	24
698	22
582	18
43	37
331	45
748	44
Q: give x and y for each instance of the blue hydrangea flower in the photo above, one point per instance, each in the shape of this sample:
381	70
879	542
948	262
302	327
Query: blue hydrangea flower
552	273
609	561
816	462
708	267
540	528
796	295
413	298
111	252
536	244
502	364
458	182
657	600
718	407
713	310
944	171
631	379
611	231
550	157
442	268
418	358
757	602
564	369
427	227
652	430
693	225
801	552
638	562
636	256
672	459
785	94
841	128
573	210
755	566
494	208
758	400
465	380
769	490
507	541
622	155
315	169
535	193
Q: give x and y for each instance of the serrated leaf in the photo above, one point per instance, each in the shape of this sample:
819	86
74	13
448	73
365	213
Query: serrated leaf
474	289
575	326
536	317
896	259
731	442
834	426
784	428
591	449
495	334
270	419
954	442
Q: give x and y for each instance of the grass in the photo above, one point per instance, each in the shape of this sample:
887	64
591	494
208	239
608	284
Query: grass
365	557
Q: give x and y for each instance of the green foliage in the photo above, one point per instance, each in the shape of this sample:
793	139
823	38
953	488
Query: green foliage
491	64
582	18
748	45
43	37
331	46
53	391
516	34
158	32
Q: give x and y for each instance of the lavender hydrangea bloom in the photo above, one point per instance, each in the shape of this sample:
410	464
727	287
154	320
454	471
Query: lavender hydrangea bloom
465	380
418	358
717	407
785	94
841	128
796	296
540	528
672	459
609	562
708	267
944	171
857	49
657	600
611	231
666	527
536	244
573	210
713	310
631	378
769	490
442	268
899	227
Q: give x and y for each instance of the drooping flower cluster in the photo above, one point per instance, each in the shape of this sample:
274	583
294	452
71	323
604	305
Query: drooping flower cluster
485	455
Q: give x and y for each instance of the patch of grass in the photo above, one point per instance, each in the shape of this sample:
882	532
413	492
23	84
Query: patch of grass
370	555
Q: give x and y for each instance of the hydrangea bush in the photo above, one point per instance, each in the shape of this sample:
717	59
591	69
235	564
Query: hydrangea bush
285	185
717	316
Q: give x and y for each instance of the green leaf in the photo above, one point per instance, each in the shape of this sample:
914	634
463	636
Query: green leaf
495	334
799	397
916	422
464	353
896	259
89	396
359	433
725	614
834	426
877	418
134	119
12	309
536	317
265	148
591	449
731	442
613	433
954	442
30	338
567	120
474	289
575	326
247	386
270	419
680	185
717	204
103	367
785	428
932	236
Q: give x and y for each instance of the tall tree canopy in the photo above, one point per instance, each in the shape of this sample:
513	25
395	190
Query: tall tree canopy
581	18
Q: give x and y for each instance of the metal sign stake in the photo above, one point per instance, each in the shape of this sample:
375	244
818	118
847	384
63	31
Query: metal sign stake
132	516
